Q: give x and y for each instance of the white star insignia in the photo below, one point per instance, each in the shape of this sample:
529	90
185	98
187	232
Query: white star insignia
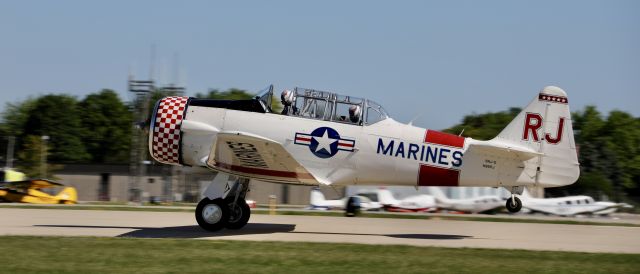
324	142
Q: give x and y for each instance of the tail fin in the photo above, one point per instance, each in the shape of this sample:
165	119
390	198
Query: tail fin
437	193
525	194
68	195
316	196
385	197
545	126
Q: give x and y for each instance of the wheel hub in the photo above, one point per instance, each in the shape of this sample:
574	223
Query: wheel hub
212	213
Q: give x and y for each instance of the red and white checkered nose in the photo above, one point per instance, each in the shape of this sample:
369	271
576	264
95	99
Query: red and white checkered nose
164	142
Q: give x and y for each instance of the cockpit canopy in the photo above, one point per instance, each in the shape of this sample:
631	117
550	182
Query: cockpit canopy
328	106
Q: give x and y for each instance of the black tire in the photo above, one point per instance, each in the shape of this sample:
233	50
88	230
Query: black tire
214	223
514	208
239	214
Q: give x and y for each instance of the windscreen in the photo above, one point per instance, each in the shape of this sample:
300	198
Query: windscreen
266	96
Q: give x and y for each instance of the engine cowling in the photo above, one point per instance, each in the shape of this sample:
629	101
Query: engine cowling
164	132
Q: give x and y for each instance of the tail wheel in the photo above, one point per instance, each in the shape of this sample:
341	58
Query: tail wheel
212	215
514	204
239	214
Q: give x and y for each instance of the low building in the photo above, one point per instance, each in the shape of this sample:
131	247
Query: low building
180	184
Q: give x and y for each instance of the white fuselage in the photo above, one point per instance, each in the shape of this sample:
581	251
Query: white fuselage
367	163
474	205
568	206
384	153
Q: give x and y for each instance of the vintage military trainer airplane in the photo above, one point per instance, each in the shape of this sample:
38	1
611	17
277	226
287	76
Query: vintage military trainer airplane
322	138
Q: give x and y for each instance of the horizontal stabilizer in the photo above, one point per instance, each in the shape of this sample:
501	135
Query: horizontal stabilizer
504	149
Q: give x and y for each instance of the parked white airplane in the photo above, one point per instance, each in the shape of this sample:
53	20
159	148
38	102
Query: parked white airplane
470	205
318	201
570	205
415	203
322	138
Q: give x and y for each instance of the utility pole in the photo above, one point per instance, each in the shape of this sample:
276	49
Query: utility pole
11	140
137	168
43	157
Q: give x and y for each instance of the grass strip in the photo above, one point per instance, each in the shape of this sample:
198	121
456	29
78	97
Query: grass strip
27	254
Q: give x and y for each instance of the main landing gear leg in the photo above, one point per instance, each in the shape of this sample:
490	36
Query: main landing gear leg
224	204
514	204
239	211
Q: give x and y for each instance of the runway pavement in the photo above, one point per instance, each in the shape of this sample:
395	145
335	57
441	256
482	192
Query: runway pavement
445	233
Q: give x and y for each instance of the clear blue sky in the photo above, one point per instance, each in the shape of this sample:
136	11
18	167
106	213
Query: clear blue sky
437	59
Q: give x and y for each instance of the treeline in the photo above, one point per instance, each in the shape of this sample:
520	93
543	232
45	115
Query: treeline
608	150
94	129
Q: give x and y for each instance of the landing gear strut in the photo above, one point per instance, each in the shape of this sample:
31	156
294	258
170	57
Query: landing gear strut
353	207
228	209
514	204
239	214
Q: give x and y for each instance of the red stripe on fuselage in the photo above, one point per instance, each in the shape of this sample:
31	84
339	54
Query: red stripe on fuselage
402	209
303	139
441	138
264	172
435	176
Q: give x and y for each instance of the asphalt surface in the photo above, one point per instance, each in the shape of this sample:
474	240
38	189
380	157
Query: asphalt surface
445	233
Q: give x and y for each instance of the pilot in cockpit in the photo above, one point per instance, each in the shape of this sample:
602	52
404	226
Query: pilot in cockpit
287	102
354	113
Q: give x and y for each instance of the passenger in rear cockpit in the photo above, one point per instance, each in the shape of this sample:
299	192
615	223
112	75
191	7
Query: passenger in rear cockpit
287	102
354	113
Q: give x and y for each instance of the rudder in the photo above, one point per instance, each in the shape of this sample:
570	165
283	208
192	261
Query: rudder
545	126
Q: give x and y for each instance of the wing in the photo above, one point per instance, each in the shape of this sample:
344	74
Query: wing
35	183
257	157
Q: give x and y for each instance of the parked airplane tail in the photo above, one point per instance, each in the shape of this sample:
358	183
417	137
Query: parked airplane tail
316	197
68	195
525	194
438	194
385	197
544	127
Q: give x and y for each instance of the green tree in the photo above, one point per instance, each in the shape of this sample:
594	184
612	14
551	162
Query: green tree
15	117
58	116
484	126
106	122
230	94
31	156
607	153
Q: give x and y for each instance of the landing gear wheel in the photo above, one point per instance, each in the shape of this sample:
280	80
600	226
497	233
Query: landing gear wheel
514	204
353	207
239	214
213	214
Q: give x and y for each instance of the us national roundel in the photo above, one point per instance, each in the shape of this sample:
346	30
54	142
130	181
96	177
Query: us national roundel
324	142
